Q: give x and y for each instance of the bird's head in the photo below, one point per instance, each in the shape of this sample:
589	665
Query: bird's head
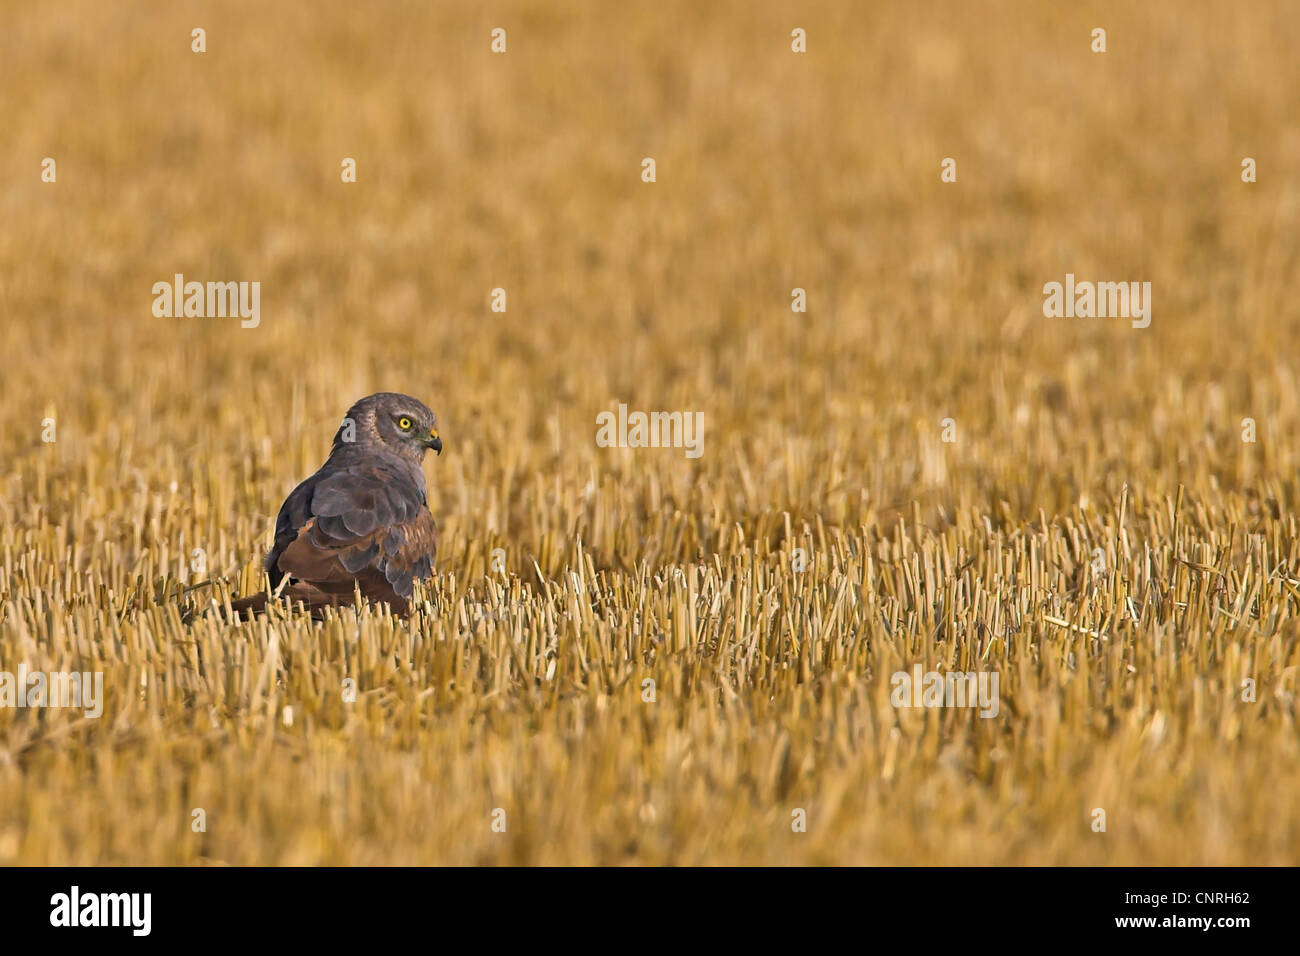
399	423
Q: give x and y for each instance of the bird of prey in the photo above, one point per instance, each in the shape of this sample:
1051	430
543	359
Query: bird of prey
362	522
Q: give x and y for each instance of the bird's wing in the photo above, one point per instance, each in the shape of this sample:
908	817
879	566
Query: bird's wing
362	525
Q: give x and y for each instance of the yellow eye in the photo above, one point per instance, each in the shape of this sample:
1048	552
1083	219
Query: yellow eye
404	423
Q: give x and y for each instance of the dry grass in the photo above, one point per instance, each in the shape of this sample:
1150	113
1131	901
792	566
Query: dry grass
1119	690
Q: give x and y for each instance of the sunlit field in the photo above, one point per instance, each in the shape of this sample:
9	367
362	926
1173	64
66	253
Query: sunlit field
633	656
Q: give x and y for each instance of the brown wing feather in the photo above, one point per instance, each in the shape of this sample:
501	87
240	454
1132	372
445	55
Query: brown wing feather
383	564
354	525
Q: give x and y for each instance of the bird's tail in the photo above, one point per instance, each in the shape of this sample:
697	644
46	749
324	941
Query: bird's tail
312	598
245	609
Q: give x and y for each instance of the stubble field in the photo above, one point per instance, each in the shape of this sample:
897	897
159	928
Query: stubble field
1096	532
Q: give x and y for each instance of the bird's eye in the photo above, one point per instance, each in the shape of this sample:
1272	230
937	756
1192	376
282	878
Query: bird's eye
404	423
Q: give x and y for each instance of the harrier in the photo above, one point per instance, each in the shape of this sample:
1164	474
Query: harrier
362	522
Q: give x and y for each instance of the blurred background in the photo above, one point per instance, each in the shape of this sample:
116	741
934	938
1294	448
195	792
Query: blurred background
775	170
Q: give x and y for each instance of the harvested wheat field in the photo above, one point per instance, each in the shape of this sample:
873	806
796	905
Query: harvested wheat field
651	655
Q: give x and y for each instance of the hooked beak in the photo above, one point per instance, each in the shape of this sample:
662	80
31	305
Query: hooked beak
433	441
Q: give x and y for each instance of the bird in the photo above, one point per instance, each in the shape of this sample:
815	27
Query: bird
361	523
